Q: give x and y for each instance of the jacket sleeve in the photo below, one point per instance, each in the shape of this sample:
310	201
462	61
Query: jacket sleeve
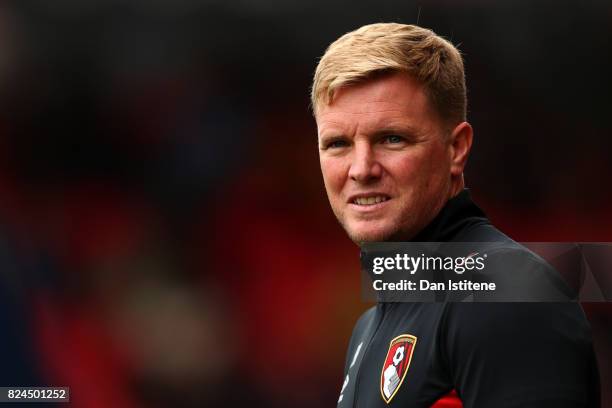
521	355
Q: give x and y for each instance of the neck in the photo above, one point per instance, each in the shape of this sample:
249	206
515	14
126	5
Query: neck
457	186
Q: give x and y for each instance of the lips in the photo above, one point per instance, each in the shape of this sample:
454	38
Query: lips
369	199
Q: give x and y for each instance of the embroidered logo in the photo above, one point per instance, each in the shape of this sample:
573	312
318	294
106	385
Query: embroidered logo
396	365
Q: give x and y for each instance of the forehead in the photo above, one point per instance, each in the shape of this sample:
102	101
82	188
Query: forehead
383	101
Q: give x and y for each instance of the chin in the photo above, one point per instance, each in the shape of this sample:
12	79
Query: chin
360	235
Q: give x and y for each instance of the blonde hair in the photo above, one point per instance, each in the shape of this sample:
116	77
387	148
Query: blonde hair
390	47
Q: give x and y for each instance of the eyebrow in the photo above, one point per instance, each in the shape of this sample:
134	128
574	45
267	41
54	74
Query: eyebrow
404	130
323	140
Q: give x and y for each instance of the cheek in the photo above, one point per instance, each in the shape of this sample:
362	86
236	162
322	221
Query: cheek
405	169
417	173
333	174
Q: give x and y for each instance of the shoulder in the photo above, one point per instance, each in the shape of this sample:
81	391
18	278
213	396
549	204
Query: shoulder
361	326
480	322
359	330
520	274
363	322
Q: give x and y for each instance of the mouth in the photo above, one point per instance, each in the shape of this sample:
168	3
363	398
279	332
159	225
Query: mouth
369	200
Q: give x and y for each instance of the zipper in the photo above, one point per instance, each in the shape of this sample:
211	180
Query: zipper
381	307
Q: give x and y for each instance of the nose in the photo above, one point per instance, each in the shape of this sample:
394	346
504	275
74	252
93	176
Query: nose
364	166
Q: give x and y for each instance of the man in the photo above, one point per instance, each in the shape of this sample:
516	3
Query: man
390	105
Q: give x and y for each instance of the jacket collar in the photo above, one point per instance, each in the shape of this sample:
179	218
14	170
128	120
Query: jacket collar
459	213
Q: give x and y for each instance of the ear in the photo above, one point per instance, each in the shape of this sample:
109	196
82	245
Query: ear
460	145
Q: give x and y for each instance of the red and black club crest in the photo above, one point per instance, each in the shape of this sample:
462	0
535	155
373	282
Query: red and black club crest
396	365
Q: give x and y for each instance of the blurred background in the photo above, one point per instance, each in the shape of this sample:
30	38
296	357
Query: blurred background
165	239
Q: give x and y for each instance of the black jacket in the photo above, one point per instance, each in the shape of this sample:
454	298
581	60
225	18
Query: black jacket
493	354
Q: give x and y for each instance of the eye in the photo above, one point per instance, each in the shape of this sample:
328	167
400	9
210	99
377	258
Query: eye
393	139
336	144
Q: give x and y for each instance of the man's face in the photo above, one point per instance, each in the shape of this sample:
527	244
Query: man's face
385	160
